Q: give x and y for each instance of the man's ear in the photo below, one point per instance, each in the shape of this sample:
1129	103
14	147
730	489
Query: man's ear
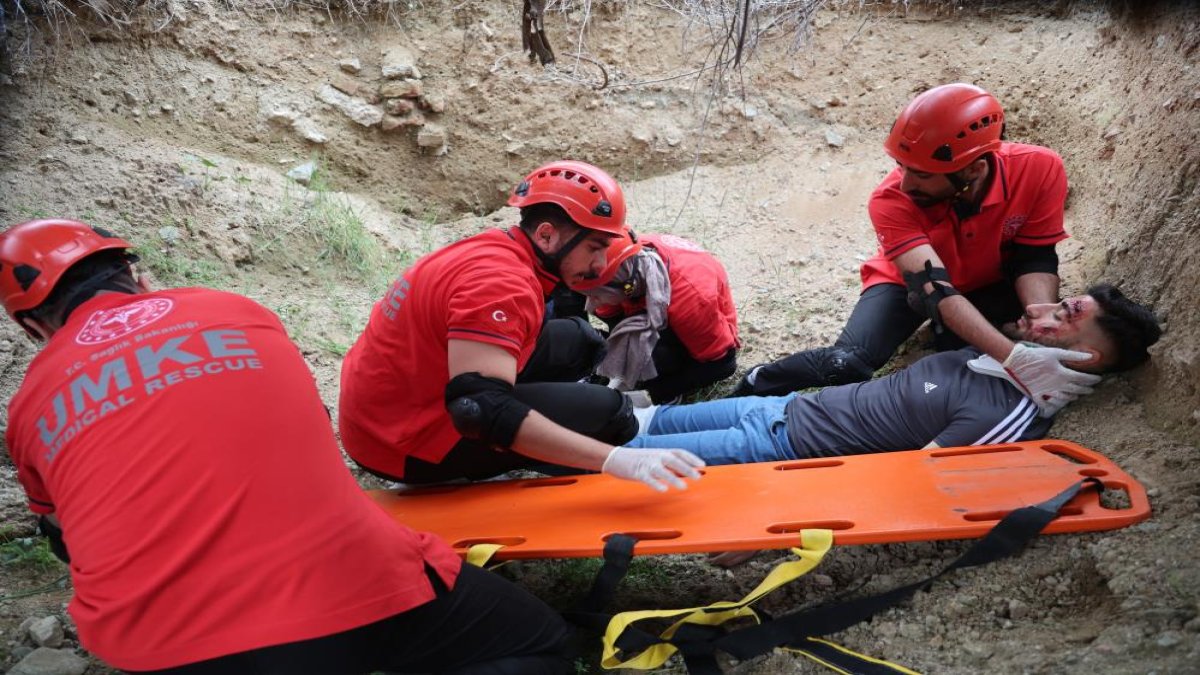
1092	363
975	169
545	236
39	331
142	280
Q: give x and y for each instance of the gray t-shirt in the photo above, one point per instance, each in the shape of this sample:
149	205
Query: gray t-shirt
936	399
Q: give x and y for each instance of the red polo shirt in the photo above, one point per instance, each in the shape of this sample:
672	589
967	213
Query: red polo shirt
701	310
485	289
179	438
1024	205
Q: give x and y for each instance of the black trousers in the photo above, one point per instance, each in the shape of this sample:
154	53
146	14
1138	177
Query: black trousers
485	626
566	351
881	321
679	374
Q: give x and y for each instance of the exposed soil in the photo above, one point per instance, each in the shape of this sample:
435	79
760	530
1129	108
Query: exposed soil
179	135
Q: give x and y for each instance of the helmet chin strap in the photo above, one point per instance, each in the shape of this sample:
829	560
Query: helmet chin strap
962	208
551	262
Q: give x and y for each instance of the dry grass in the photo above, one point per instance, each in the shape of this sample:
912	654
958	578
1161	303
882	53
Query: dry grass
58	17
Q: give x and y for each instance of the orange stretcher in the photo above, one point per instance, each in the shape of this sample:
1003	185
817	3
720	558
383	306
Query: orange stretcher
919	495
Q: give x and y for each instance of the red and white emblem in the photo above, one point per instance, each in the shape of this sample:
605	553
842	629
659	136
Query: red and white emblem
110	324
1013	225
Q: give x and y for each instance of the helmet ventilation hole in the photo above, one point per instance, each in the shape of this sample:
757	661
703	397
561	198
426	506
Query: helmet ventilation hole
25	275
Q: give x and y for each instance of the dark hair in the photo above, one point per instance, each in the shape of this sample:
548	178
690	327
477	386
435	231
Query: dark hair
103	271
536	214
1131	327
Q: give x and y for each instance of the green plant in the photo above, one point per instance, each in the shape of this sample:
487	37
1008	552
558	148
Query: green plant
178	268
29	553
321	219
31	213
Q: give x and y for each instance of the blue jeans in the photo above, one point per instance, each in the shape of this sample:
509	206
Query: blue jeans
725	431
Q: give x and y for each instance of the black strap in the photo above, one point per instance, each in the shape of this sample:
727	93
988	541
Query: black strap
698	644
1008	537
848	662
589	613
618	552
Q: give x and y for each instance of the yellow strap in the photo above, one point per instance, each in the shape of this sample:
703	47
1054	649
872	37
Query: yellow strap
862	657
815	544
479	554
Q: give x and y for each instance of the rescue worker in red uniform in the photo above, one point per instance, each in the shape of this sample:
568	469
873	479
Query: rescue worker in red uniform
673	324
176	448
967	225
459	375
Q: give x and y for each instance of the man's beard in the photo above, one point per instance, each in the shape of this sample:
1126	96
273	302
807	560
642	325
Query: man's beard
925	200
1011	331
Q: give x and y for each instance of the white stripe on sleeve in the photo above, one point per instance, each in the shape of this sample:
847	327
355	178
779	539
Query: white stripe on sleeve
1024	408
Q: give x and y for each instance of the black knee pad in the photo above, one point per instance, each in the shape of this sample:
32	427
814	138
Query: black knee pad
844	366
621	426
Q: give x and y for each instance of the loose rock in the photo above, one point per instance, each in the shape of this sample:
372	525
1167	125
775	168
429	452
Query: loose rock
833	138
44	661
432	136
434	103
346	85
169	234
302	173
309	130
392	122
356	109
398	106
47	632
350	65
401	89
398	62
282	116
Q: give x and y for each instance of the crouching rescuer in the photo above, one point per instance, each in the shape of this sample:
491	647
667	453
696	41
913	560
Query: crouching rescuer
459	374
175	446
673	324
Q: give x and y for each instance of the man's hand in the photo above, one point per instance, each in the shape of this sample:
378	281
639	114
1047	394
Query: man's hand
653	467
1051	385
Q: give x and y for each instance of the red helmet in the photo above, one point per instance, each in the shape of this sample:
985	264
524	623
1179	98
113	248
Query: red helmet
589	195
34	256
946	128
623	247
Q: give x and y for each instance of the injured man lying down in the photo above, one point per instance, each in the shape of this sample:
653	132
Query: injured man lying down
948	399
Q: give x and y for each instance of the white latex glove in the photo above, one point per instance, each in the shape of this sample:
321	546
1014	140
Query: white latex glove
1050	384
654	467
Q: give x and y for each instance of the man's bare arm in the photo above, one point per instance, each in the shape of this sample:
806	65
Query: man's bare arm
958	314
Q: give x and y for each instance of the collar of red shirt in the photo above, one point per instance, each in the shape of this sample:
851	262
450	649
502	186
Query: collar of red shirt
545	278
998	191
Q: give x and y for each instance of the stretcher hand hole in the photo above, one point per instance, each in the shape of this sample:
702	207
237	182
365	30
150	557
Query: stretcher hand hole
788	528
987	516
549	482
647	535
1115	497
979	450
501	541
809	464
1070	454
426	491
